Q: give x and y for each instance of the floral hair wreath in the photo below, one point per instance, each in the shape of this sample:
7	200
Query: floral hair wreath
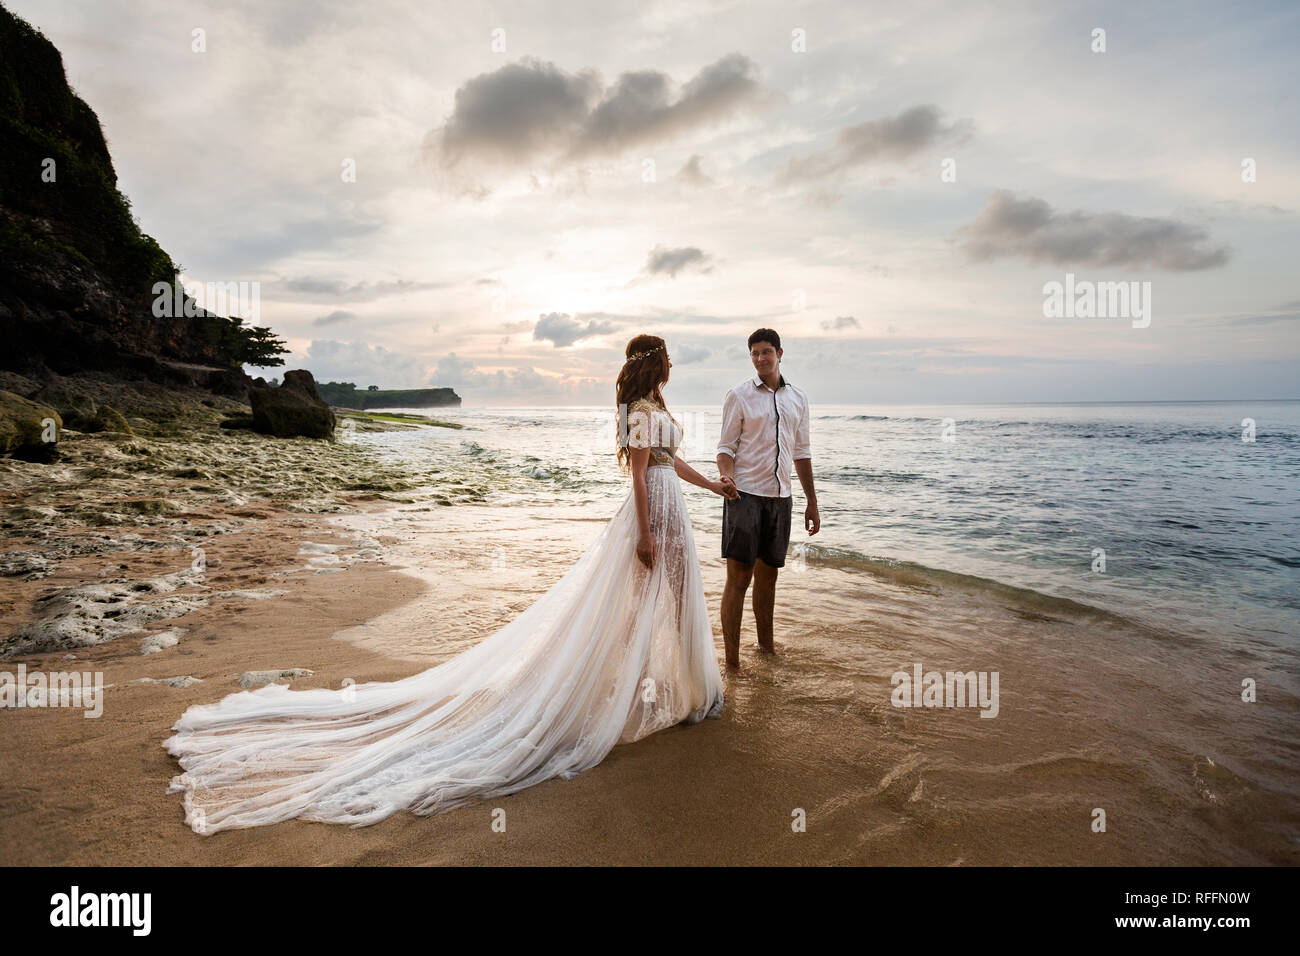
640	355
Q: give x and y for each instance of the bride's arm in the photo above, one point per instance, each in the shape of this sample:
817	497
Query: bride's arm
639	459
689	474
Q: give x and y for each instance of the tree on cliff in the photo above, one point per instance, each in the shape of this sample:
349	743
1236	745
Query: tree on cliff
256	345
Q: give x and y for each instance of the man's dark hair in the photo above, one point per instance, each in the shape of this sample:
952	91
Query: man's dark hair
765	335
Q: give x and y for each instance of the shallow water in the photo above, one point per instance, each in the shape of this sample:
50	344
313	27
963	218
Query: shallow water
1200	530
1118	691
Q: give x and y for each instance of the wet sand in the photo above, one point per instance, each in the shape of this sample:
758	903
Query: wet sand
1090	715
1094	712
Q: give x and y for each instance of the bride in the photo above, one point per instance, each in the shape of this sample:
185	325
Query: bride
619	648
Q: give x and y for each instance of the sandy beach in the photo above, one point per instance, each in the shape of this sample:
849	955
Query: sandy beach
370	585
335	403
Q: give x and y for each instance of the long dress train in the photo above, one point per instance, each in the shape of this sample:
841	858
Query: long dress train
613	652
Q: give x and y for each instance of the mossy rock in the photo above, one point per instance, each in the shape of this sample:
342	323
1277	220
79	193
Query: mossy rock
28	429
292	409
150	506
77	409
109	419
238	421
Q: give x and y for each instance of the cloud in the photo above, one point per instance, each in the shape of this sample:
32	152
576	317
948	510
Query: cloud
640	107
521	382
453	372
282	235
338	315
889	138
364	364
516	113
466	375
672	261
562	331
840	322
1290	312
1028	228
1232	209
692	175
318	288
686	355
532	112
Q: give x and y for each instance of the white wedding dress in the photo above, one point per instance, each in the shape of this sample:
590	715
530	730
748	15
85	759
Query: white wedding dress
613	652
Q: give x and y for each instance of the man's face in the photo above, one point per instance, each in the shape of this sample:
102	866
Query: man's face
765	356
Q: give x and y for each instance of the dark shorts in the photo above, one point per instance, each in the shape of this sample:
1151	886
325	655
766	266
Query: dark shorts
756	527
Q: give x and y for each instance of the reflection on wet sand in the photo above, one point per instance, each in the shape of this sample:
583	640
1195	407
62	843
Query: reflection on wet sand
1094	712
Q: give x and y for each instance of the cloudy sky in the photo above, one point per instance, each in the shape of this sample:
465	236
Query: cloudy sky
890	186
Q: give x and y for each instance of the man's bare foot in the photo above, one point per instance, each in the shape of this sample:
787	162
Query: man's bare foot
736	671
767	649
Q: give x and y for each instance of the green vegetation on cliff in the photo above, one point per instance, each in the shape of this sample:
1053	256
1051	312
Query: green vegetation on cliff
42	122
74	262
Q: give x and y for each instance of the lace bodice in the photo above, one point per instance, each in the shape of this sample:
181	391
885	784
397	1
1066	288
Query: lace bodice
650	426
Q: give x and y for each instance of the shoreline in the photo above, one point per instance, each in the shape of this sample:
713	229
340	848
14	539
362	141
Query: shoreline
811	730
103	800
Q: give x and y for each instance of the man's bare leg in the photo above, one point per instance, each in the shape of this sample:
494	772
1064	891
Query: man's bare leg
733	607
764	601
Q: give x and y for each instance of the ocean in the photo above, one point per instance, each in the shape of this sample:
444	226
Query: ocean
1130	571
1157	512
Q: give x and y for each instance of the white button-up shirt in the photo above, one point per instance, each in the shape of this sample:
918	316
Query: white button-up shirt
765	431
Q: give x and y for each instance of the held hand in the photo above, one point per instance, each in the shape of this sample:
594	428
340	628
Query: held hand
645	551
812	520
726	488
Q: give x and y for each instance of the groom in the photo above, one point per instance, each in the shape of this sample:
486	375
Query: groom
764	430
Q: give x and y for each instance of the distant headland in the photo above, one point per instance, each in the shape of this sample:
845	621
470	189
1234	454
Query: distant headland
347	395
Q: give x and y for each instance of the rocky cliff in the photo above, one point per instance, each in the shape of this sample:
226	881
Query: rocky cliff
76	271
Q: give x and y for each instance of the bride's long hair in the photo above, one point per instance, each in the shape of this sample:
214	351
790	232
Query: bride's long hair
645	372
